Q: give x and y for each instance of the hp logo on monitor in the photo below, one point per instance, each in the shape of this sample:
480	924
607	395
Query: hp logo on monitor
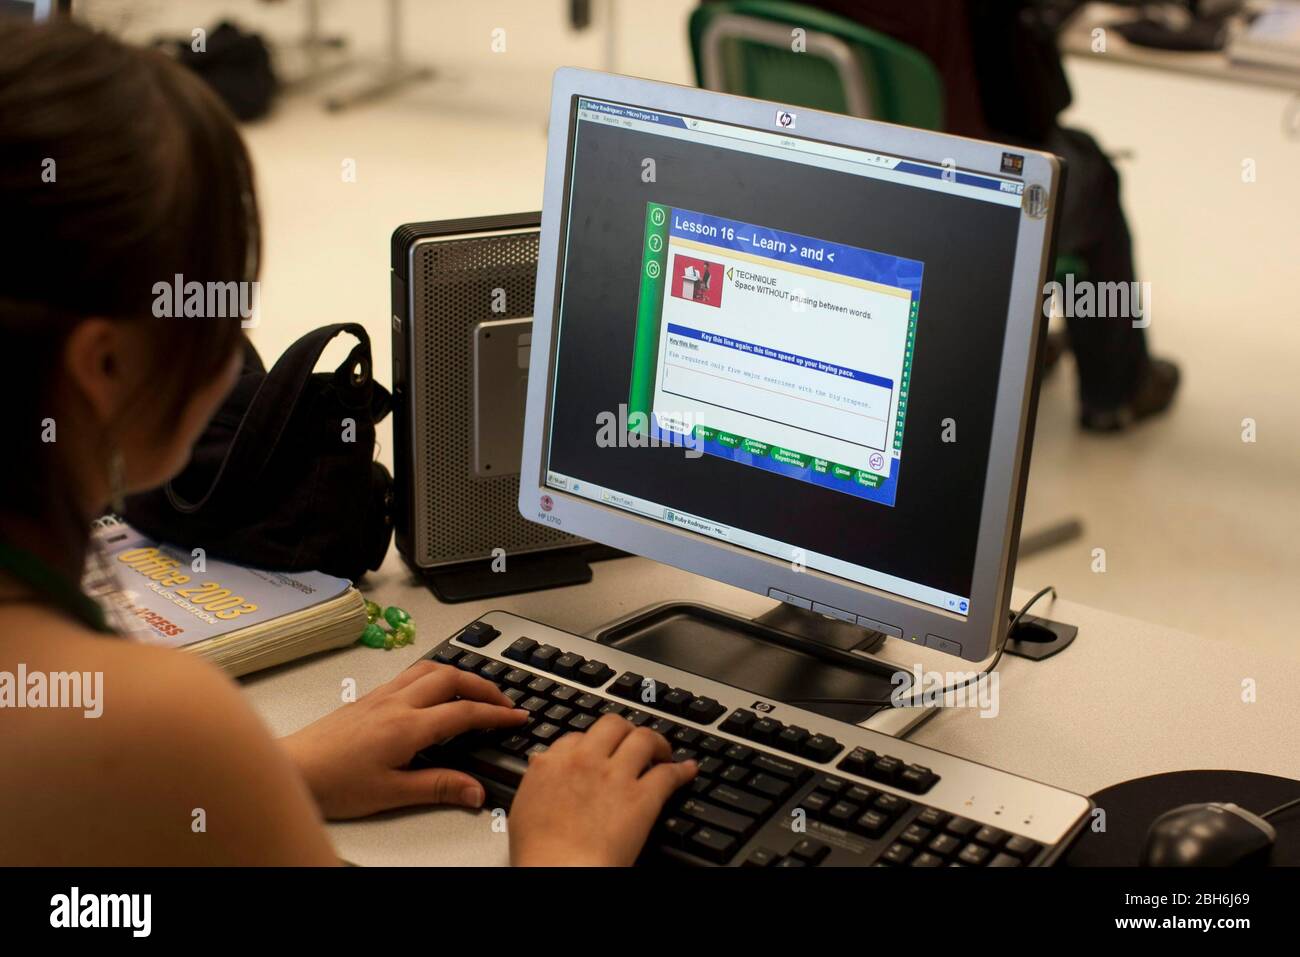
785	119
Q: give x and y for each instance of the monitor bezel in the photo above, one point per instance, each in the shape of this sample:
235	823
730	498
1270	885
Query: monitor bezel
979	632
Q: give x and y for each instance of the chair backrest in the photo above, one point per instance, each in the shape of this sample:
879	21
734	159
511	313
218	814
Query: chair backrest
801	56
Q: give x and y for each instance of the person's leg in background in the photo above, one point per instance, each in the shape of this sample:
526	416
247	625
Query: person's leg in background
1119	382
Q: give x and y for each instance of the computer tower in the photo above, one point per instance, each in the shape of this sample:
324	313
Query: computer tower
462	307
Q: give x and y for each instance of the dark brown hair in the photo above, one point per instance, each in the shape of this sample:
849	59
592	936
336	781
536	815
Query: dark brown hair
119	169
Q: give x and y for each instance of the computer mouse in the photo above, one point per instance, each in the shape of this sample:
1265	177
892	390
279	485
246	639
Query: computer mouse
1208	835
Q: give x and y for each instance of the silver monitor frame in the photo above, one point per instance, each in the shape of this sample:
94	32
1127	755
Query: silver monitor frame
973	637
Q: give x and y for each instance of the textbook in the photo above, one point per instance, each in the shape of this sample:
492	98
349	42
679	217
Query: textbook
241	619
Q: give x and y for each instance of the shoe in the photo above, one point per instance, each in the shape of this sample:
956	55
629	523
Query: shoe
1154	394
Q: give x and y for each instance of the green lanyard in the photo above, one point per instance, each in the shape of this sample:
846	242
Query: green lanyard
64	594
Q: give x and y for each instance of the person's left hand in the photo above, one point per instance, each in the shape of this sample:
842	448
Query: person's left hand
354	759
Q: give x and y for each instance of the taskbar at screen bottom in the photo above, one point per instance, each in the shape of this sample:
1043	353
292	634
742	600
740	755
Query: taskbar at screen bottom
959	604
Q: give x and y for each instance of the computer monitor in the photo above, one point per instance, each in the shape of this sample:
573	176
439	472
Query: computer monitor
789	350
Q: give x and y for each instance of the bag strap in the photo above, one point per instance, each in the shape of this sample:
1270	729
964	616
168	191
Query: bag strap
273	405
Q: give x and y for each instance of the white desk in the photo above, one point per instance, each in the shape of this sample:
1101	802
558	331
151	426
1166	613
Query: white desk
1126	699
1076	40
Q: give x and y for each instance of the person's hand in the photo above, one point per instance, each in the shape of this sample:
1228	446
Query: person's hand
591	799
354	759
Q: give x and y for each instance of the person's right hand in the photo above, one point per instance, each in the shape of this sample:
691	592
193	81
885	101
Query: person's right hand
591	799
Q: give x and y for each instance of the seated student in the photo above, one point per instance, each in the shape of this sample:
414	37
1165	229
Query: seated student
120	170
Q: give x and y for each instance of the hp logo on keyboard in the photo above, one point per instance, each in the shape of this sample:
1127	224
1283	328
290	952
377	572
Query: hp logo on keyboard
762	706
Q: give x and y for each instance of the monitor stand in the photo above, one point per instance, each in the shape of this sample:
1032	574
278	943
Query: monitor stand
786	655
531	571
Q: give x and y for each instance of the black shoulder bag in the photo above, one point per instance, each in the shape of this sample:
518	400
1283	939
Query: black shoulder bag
284	476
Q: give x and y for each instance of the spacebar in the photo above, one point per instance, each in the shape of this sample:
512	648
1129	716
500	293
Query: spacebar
493	765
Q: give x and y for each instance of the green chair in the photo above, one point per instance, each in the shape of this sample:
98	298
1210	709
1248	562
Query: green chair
750	47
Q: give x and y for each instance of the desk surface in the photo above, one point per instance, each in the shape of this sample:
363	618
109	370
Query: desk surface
1076	40
1126	699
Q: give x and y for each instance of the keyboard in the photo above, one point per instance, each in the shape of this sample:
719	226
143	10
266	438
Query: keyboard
777	786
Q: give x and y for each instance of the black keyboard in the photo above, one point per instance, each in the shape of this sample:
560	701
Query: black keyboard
777	786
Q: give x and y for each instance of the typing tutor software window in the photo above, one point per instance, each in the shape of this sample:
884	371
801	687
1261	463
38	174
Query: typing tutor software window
779	351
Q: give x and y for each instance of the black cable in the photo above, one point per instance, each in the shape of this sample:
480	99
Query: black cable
1280	808
889	702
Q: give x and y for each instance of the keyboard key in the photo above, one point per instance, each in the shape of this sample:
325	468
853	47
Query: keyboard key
738	722
663	726
582	721
973	855
842	812
517	677
470	661
915	834
564	694
676	701
961	826
515	694
860	795
1021	847
477	634
821	748
684	754
760	857
594	673
932	817
711	744
710	765
515	743
676	830
736	800
926	859
447	654
712	845
588	702
547	732
764	729
1005	860
613	707
535	705
872	823
990	836
520	650
830	784
704	710
627	685
567	664
890	804
790	862
885	769
917	779
810	850
558	713
544	656
686	737
493	670
897	854
858	761
777	766
767	784
710	815
792	738
540	685
735	773
817	802
739	752
638	719
538	748
945	844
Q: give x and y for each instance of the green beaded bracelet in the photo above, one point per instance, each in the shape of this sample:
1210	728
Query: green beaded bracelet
402	631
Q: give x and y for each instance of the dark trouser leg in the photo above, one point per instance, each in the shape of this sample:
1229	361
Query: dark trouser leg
1111	353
